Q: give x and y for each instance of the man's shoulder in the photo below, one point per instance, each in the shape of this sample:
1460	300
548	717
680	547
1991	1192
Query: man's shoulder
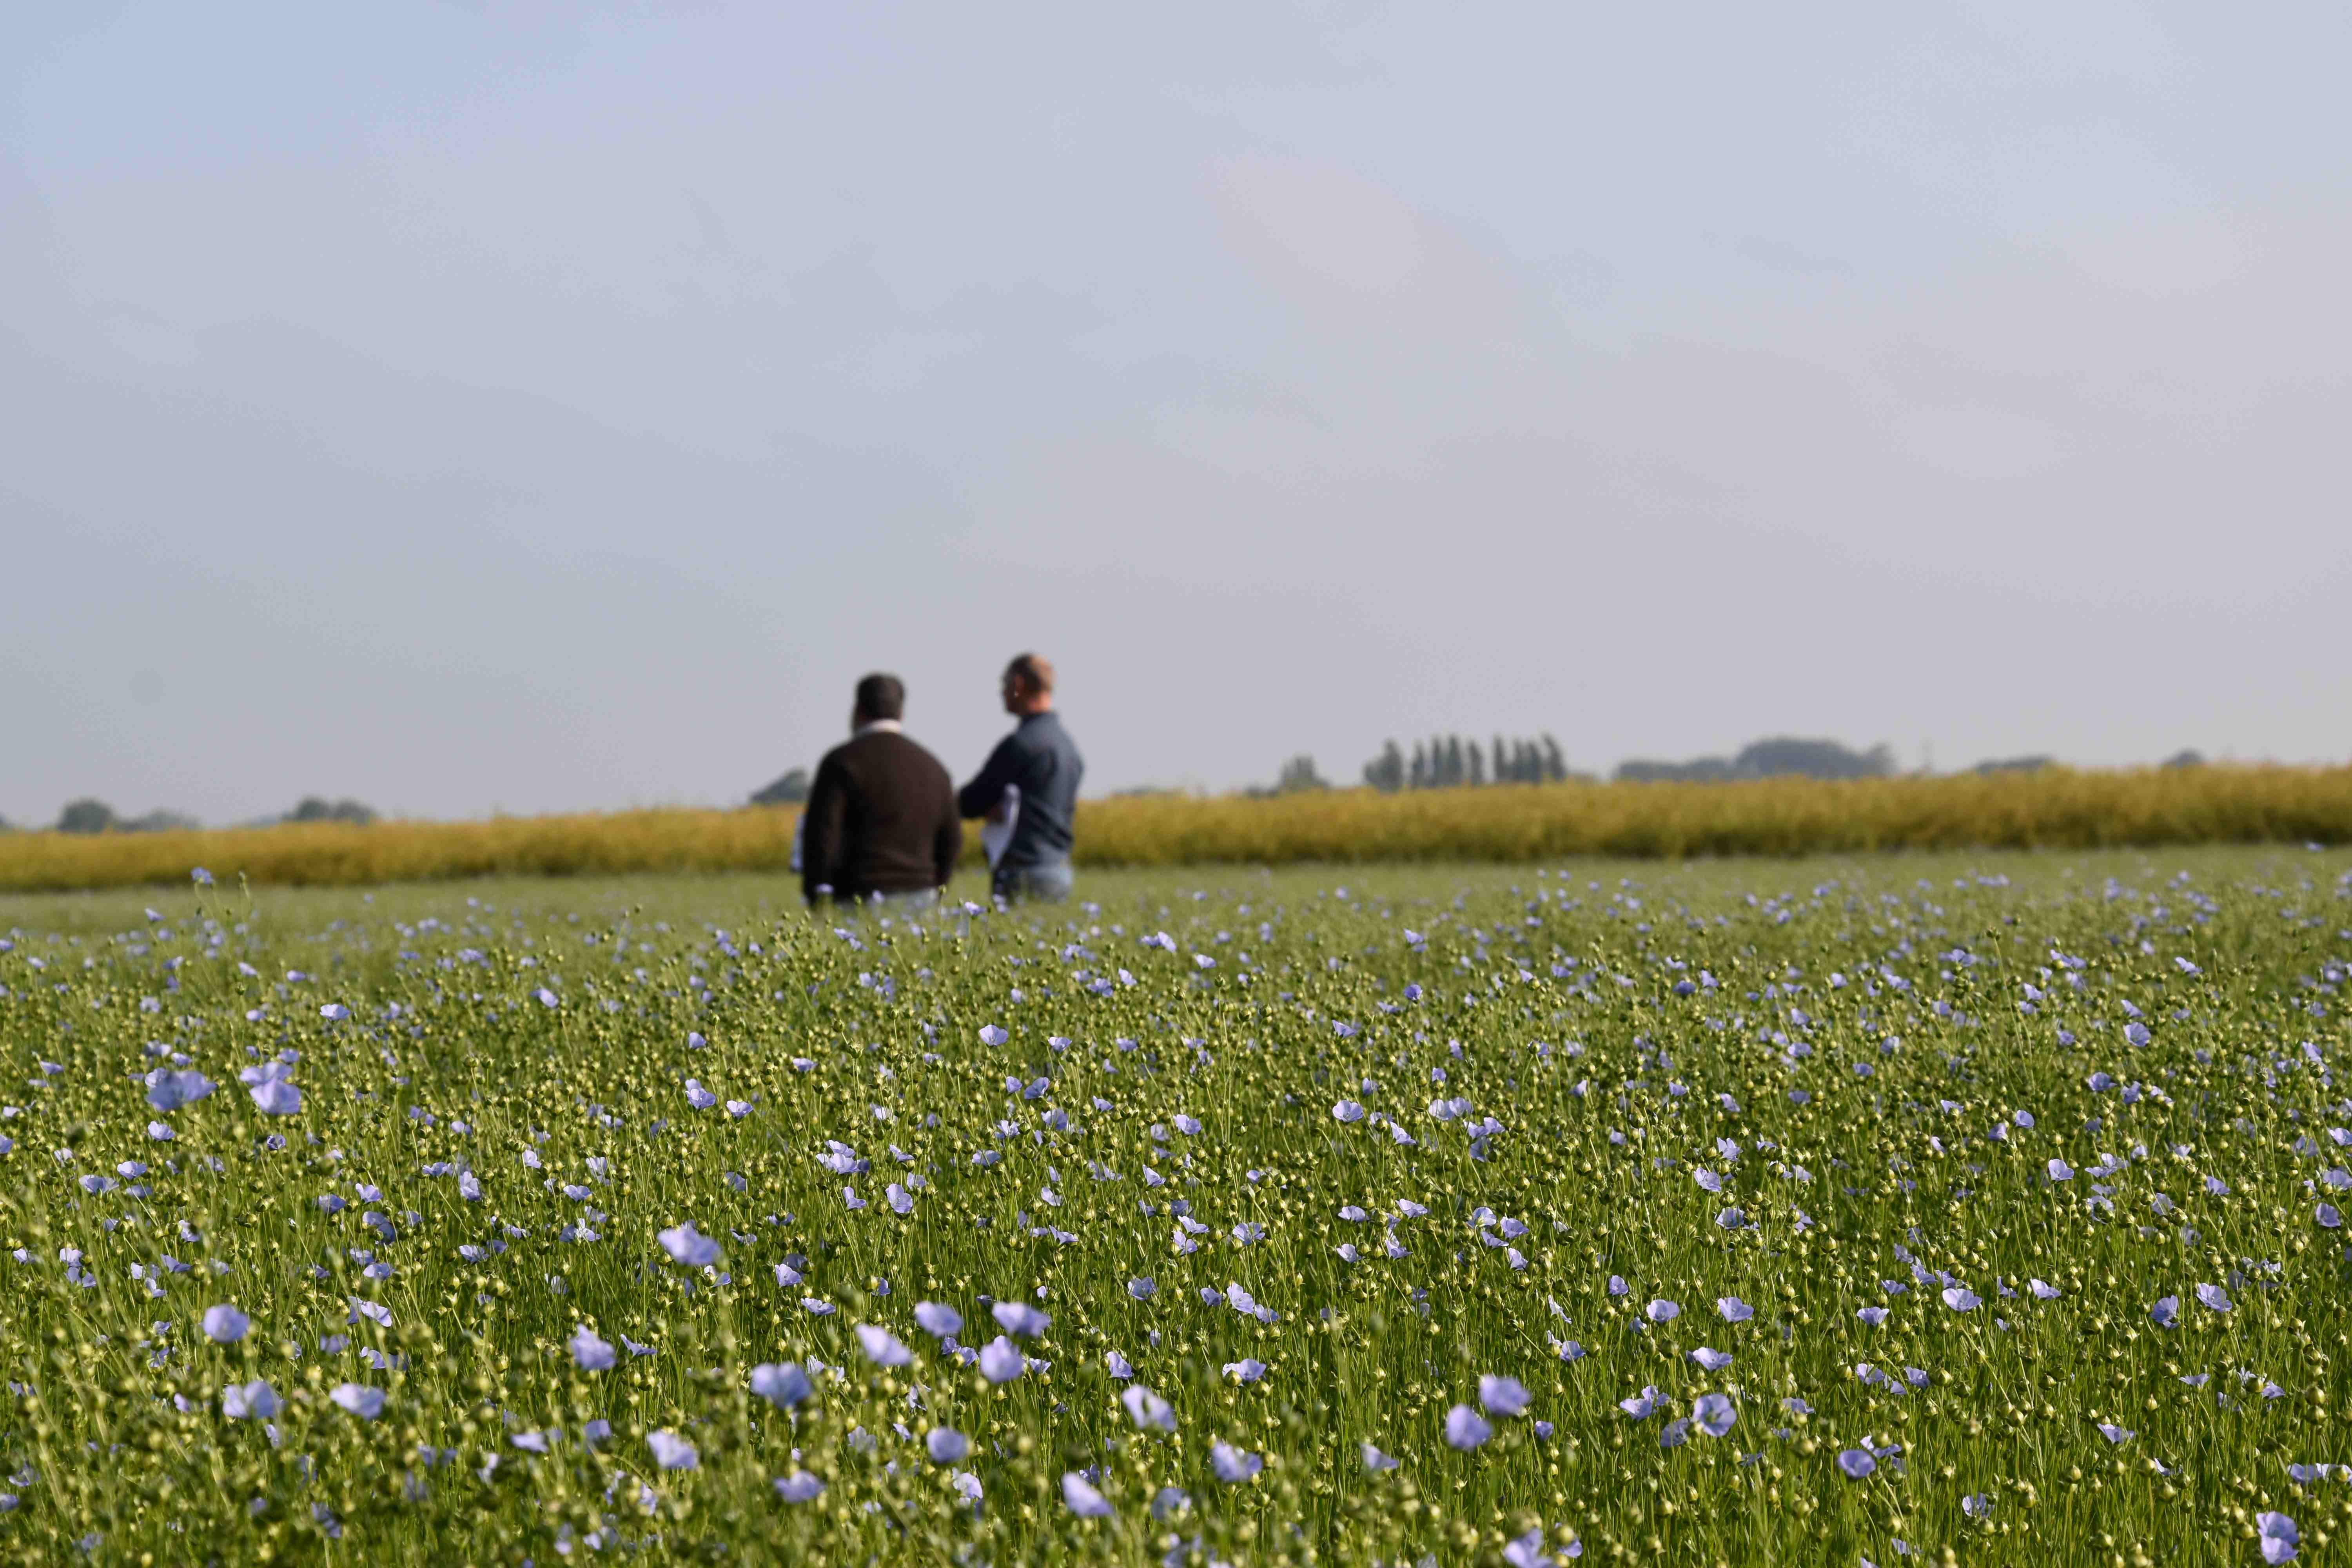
1046	732
903	749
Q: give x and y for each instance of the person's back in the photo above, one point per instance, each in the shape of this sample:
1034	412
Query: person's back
1042	762
881	815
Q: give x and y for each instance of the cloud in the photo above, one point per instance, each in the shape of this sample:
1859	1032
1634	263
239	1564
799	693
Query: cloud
1322	225
1979	443
2184	252
1781	257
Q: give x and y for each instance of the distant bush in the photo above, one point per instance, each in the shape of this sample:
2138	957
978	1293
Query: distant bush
793	789
316	808
2014	764
1781	756
89	816
86	817
1298	774
1785	757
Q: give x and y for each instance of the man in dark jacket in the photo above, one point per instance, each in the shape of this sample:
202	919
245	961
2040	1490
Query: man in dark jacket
1039	760
880	825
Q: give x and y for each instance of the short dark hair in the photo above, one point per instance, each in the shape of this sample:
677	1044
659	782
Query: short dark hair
881	696
1032	671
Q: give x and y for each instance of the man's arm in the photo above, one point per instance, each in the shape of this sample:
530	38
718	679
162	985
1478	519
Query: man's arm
979	798
821	831
947	843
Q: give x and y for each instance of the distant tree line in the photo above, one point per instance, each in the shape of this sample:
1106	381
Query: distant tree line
90	816
1781	756
1298	776
1786	756
792	789
313	808
97	816
1448	761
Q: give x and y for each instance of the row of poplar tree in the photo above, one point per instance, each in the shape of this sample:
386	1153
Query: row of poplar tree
1447	762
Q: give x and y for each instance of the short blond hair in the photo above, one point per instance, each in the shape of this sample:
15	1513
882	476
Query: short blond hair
1032	670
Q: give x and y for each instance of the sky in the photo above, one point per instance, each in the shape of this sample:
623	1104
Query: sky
551	407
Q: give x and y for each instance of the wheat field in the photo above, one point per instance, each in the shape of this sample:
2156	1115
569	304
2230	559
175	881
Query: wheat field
2058	808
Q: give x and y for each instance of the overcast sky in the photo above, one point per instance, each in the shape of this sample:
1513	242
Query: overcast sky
545	406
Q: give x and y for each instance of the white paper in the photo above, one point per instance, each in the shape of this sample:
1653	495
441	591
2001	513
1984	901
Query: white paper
996	832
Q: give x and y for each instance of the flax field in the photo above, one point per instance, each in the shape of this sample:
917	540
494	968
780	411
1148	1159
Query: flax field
1935	1208
2055	808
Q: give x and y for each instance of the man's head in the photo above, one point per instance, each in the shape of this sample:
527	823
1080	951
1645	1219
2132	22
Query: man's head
879	696
1028	685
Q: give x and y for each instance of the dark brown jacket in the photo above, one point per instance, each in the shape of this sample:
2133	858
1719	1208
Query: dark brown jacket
881	818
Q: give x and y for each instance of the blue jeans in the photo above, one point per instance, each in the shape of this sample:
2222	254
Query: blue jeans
1046	884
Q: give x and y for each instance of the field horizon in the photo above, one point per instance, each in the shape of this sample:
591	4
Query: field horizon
2052	808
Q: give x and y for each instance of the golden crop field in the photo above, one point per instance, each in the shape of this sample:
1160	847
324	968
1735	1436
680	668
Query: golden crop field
2053	809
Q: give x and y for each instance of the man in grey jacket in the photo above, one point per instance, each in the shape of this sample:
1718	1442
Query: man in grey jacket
1040	761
